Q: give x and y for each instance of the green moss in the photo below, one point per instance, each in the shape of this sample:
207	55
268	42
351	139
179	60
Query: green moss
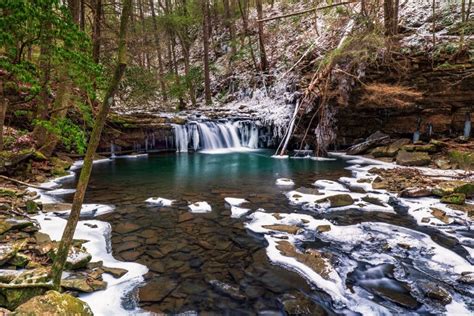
455	198
54	303
7	192
462	159
466	189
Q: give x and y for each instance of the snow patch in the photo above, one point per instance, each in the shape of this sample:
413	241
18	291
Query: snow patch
200	207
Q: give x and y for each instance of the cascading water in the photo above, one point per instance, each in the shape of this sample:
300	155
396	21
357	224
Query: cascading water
211	135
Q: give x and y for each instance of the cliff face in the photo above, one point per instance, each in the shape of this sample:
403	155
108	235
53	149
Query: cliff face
443	96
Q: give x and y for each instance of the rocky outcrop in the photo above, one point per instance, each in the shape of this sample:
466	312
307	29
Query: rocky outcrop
54	304
441	109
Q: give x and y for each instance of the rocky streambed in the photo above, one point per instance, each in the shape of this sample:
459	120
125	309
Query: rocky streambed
267	235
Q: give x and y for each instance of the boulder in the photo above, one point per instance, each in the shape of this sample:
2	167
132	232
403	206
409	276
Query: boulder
416	192
83	283
450	187
373	200
53	303
429	148
435	291
376	139
455	198
405	158
77	258
290	229
340	200
467	278
14	224
8	250
28	283
462	159
390	150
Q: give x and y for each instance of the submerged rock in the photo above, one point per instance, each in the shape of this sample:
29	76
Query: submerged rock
54	304
299	304
227	289
405	158
125	228
157	290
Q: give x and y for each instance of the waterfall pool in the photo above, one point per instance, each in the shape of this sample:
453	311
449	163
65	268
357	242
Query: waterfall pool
227	261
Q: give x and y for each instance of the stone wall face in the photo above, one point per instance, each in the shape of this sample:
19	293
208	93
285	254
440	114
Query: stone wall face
447	96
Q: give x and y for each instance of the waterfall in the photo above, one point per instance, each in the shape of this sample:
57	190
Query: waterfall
467	126
181	137
211	135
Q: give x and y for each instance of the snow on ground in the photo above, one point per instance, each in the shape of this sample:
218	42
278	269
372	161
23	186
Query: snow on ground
159	201
108	301
200	207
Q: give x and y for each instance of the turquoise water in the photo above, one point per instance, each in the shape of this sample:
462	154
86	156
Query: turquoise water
210	262
175	175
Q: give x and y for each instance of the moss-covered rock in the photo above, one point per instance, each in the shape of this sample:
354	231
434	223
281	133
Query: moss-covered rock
60	166
462	159
455	198
450	187
405	158
19	260
429	148
54	304
29	284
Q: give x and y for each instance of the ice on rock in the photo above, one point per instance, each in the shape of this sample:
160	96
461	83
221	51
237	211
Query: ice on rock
238	211
200	207
285	182
330	185
159	201
235	201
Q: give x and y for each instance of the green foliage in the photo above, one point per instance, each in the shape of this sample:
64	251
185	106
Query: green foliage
25	24
179	86
141	84
71	135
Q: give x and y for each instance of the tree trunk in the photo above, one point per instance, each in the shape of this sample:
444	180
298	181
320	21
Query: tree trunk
3	111
60	108
158	52
389	16
96	31
61	103
231	28
243	13
205	27
41	115
261	38
68	234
